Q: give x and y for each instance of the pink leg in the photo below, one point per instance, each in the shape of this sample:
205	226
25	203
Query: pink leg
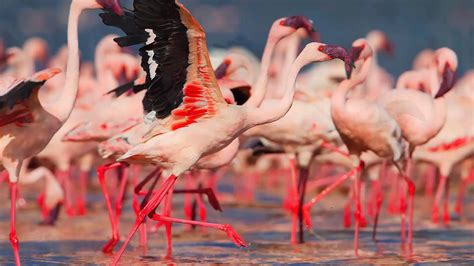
151	205
430	180
411	199
302	181
378	205
307	207
13	237
293	199
168	202
108	248
81	203
446	218
439	195
65	178
357	213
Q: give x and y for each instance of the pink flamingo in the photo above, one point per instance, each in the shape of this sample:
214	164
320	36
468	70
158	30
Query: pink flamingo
201	112
363	126
35	116
419	116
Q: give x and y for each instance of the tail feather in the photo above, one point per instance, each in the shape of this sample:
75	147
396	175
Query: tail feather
127	87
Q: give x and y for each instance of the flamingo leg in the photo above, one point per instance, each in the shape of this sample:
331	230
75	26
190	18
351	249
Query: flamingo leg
378	205
64	176
168	224
13	237
348	208
81	203
439	194
379	197
302	181
151	205
446	218
363	220
357	213
307	207
460	198
292	195
108	248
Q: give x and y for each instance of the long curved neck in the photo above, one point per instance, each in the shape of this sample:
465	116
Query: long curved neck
290	56
339	97
274	109
259	88
67	96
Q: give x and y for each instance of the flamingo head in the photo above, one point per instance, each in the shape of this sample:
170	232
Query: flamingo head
335	51
114	5
378	40
298	22
447	63
221	70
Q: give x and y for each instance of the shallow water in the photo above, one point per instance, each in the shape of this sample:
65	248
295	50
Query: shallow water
265	226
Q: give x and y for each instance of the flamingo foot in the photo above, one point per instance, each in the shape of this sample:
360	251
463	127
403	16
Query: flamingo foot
109	247
236	238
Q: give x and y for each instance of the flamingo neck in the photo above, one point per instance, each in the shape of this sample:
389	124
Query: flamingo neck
290	56
339	97
274	109
259	88
67	96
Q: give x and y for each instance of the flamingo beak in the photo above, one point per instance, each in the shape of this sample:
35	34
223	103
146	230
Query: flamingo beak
221	70
114	5
335	51
448	81
297	22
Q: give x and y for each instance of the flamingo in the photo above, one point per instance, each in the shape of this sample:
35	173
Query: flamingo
363	126
194	108
16	143
419	116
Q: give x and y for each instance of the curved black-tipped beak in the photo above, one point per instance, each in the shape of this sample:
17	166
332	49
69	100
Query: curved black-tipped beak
114	5
297	22
336	51
221	70
448	82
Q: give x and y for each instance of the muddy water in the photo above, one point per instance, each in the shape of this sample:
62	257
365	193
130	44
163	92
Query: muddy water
264	226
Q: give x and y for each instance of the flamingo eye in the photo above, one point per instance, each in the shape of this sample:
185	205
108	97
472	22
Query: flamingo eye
103	126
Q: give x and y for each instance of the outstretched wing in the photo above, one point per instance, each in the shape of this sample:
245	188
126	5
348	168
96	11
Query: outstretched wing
180	81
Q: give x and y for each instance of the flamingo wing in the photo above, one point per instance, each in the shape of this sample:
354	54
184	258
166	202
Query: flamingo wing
180	82
13	92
